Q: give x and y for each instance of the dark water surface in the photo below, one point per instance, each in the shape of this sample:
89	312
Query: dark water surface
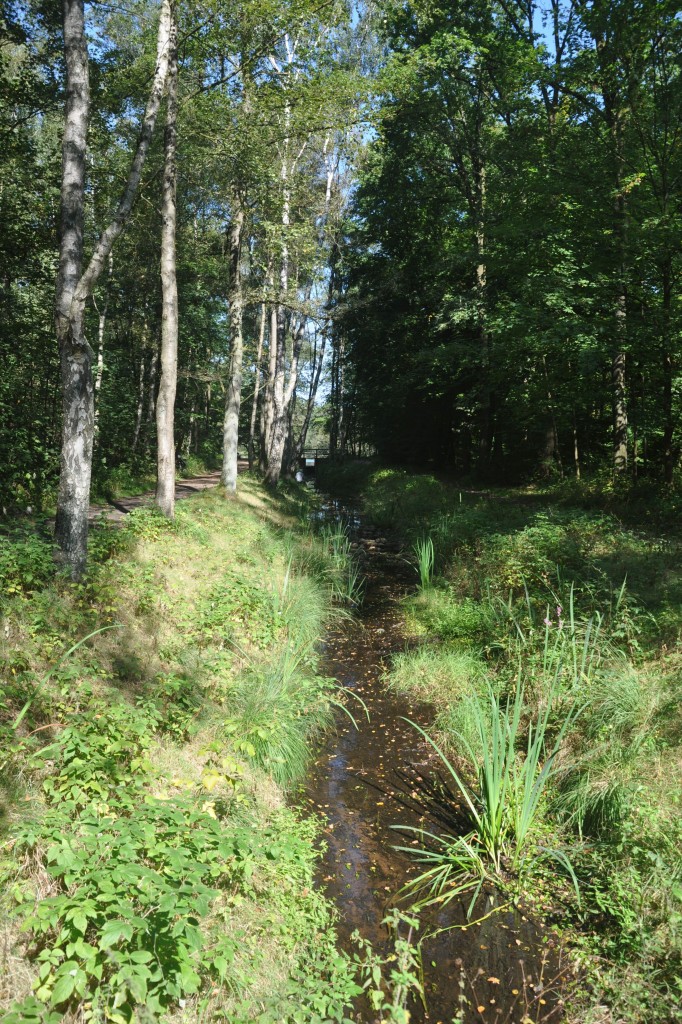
505	968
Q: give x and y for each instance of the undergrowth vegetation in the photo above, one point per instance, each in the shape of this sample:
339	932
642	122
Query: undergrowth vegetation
150	865
549	644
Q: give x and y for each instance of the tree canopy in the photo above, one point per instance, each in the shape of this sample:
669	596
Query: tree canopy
469	212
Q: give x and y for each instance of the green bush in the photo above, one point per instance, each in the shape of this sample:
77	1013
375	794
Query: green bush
26	563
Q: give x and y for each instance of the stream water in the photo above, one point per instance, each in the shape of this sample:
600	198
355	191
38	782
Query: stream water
506	968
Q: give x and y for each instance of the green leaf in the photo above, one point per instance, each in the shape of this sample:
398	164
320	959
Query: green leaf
141	956
138	988
113	931
63	989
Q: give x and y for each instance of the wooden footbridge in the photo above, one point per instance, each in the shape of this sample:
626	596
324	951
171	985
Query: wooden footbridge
311	456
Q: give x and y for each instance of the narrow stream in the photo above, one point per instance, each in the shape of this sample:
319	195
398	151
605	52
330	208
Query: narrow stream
505	968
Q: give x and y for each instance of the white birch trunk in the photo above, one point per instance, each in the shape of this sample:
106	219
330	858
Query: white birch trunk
165	404
256	386
233	396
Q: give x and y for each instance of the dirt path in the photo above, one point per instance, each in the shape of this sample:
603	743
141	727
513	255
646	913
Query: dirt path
116	511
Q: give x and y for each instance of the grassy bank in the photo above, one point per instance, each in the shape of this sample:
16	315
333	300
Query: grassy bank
549	644
153	719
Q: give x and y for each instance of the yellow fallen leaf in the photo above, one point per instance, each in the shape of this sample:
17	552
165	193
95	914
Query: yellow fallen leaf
494	981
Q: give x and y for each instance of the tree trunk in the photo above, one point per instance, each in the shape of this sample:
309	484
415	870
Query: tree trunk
275	448
153	371
318	362
620	417
576	448
486	428
615	113
275	452
256	388
268	403
71	527
342	420
165	404
234	385
101	325
140	404
74	287
667	366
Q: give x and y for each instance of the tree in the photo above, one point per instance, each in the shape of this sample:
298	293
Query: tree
165	403
75	286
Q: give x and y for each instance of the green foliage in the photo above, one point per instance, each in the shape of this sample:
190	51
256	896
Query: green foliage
236	605
458	622
484	347
266	715
26	563
151	867
125	931
586	612
391	980
438	675
342	570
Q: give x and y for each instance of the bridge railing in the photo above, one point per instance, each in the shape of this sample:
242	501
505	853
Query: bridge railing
315	453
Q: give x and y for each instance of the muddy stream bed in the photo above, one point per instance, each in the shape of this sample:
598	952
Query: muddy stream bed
505	968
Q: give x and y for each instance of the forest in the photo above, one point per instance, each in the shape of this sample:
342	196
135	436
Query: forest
340	563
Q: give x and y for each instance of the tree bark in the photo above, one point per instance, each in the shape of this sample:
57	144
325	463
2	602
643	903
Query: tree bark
268	403
669	454
165	403
620	417
101	325
275	451
486	426
151	404
78	419
140	404
233	396
256	388
74	286
318	361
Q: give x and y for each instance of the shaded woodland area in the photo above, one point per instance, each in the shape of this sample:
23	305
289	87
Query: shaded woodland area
515	277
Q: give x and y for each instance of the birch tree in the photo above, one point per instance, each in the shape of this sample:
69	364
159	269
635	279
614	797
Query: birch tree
75	285
165	404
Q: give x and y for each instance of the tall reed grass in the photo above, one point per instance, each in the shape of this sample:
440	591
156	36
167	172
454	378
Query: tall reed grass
426	558
502	795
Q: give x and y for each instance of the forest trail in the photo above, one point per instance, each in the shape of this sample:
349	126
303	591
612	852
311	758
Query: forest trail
116	511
